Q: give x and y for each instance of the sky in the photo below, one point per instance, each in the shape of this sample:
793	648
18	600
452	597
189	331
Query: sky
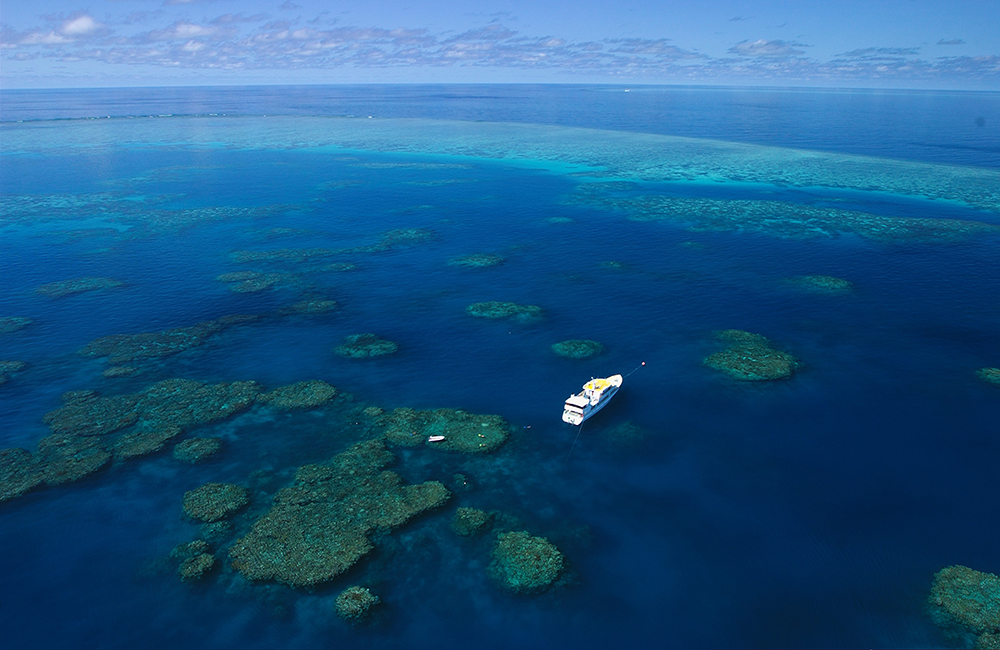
921	44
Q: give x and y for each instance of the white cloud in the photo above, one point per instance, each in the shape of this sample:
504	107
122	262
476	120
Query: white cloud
80	26
766	49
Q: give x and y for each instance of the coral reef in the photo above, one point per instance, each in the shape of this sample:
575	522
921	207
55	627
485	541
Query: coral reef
624	434
196	567
66	458
180	402
405	237
969	600
991	375
215	531
88	414
751	357
144	439
83	442
120	371
469	521
498	310
354	602
9	324
826	284
19	472
340	267
988	641
578	348
523	563
320	526
195	560
477	261
365	346
388	241
252	281
237	276
139	210
464	432
8	367
79	285
778	218
197	450
313	307
214	501
281	255
303	395
122	348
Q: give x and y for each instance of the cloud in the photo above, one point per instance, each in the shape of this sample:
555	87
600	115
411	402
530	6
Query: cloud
737	19
81	25
953	41
288	5
881	52
229	19
237	41
766	49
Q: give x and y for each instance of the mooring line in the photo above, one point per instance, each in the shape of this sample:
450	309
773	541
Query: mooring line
579	430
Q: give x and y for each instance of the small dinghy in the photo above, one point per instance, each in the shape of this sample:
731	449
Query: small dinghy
595	395
435	439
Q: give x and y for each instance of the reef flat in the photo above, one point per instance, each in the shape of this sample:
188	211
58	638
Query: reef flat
65	288
778	218
137	215
121	348
324	523
610	155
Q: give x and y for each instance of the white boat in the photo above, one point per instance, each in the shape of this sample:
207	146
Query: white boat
595	395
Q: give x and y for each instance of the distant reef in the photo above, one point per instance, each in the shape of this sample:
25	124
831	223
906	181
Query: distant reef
79	285
751	357
578	348
502	310
822	284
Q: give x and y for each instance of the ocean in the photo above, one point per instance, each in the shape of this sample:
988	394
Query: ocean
855	233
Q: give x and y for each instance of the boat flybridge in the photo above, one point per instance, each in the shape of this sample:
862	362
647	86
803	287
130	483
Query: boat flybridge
595	395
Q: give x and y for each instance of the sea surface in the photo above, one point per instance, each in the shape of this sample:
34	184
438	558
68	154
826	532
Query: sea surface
698	510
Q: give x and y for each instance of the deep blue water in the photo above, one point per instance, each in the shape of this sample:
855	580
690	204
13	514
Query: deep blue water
808	512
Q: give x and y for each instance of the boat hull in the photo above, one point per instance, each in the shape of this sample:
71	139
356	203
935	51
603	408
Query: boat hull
596	394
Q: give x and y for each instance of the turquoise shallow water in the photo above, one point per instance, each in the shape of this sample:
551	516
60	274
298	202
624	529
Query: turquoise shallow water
810	512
